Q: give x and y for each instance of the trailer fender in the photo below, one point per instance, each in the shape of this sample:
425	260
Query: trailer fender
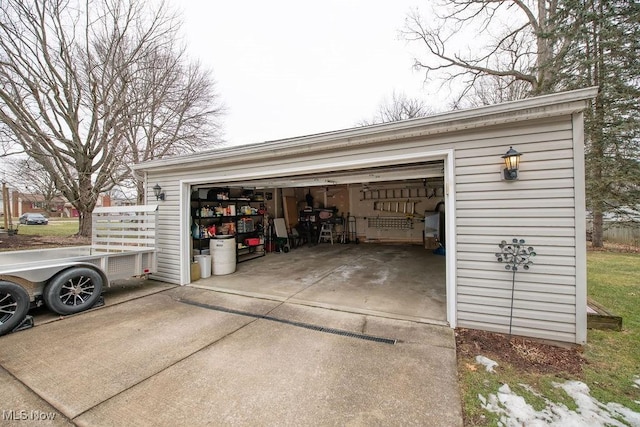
32	289
14	305
74	289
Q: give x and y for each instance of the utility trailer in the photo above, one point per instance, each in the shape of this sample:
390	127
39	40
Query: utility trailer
70	279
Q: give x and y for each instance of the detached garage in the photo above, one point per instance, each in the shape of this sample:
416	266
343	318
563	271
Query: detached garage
427	198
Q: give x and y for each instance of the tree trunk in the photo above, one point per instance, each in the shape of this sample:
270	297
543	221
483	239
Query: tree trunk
85	225
596	238
140	191
85	203
598	138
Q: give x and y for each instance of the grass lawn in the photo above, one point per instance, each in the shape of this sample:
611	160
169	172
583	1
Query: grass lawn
61	227
612	359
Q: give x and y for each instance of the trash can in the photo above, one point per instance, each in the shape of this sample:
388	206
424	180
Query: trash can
223	253
205	265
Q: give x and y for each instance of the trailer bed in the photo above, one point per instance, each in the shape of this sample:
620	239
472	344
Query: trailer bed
38	265
70	279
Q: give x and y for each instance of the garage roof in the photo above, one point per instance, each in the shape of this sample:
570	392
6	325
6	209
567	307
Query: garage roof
508	112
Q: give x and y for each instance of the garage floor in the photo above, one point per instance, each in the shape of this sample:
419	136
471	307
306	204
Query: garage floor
394	281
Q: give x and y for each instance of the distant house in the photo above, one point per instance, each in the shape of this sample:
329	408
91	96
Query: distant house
36	203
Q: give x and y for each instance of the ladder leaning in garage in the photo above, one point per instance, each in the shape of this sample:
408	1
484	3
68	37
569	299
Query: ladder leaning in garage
326	232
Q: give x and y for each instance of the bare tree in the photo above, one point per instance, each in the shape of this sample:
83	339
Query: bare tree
526	47
71	74
490	89
175	106
512	40
400	107
30	178
8	144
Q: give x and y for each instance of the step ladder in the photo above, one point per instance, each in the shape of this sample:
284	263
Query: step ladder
326	232
406	207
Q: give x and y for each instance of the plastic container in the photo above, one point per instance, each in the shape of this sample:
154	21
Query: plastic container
205	265
223	252
252	241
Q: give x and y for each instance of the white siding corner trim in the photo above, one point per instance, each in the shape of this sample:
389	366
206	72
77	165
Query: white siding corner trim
450	225
581	228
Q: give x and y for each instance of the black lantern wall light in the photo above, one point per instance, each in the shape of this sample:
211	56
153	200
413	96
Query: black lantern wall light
511	164
157	191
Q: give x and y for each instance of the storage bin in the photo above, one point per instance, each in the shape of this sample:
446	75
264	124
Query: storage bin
223	252
252	241
205	265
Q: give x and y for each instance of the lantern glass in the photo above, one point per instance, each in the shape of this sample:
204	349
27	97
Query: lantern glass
512	159
512	162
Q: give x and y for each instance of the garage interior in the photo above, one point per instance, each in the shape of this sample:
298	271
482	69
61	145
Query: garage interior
367	241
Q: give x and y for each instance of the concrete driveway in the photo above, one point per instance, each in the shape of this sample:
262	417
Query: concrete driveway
190	356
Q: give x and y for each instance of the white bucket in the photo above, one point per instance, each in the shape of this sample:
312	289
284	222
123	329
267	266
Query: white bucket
223	252
205	265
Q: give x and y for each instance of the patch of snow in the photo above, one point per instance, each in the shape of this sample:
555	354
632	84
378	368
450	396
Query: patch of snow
382	277
346	271
515	411
488	363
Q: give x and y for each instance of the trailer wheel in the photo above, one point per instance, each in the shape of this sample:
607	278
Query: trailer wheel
73	290
14	305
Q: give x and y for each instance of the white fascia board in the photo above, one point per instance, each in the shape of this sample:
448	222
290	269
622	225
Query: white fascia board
526	109
319	180
317	169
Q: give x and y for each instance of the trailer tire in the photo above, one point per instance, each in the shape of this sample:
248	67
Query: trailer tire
74	290
14	306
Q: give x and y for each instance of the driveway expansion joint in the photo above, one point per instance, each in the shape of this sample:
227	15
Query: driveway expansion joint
292	323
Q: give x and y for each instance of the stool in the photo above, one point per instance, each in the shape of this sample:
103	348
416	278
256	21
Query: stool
326	232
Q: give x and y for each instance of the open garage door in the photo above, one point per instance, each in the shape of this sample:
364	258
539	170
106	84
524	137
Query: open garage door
359	240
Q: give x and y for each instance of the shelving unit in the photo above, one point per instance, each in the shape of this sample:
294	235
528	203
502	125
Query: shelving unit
219	214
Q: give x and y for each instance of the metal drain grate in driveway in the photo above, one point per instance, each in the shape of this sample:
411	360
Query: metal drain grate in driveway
291	323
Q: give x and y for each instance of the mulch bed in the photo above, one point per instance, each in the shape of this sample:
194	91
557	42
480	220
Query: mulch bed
524	354
22	241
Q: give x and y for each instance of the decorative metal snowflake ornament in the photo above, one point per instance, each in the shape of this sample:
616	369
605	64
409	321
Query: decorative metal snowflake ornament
515	254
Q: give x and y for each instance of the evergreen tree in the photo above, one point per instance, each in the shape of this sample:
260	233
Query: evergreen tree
605	54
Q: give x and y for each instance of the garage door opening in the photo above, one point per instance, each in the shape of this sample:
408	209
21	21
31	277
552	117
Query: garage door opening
368	241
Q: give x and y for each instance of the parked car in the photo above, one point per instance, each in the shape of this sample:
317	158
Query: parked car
33	219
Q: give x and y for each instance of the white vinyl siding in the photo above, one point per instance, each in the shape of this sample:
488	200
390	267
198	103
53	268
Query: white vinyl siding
167	230
541	207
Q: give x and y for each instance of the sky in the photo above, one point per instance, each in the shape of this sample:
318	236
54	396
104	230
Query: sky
288	68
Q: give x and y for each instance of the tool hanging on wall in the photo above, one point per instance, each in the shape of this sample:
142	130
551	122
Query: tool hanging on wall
406	207
399	193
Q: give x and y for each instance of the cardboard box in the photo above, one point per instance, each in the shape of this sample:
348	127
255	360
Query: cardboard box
431	243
